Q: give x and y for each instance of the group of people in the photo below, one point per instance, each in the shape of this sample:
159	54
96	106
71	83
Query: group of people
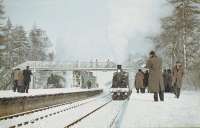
157	81
21	79
141	81
167	80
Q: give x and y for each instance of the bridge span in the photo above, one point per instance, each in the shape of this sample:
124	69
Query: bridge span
72	66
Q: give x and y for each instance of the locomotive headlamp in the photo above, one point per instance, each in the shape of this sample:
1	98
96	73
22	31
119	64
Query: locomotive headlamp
119	68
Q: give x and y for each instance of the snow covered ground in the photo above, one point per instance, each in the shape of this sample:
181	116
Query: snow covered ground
139	112
34	92
57	117
103	118
142	112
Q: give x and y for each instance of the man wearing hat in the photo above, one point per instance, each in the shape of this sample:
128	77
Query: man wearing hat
177	73
27	78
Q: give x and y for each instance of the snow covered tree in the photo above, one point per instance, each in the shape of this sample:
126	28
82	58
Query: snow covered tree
40	51
19	45
179	39
186	23
179	30
40	45
2	35
5	71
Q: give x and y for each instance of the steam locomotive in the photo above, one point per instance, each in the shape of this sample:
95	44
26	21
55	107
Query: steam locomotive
120	85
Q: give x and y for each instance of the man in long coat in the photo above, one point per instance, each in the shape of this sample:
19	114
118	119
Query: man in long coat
165	74
146	77
139	81
155	76
177	73
27	78
169	80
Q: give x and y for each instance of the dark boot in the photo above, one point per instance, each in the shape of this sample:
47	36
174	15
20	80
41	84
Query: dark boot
155	96
175	89
161	95
26	86
137	90
15	86
142	90
26	89
178	92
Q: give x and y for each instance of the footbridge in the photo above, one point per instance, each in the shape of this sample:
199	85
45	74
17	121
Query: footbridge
71	66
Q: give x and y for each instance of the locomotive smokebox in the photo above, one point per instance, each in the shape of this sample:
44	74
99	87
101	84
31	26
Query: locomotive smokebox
119	67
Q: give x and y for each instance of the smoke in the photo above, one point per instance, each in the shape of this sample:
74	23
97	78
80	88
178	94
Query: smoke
131	22
92	29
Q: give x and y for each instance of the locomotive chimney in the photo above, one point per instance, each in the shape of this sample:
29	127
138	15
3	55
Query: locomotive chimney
119	67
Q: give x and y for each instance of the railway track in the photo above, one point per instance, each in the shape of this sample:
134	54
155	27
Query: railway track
85	116
25	118
115	123
106	116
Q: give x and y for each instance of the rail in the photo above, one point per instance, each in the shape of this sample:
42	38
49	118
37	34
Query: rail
66	107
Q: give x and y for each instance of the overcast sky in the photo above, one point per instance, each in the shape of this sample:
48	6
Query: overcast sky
89	29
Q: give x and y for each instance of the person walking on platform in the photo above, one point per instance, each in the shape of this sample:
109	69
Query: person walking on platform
139	79
177	73
20	81
27	78
15	78
164	75
169	80
155	76
146	78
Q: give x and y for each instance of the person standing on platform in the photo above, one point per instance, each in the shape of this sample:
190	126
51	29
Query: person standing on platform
139	79
169	80
155	76
146	78
20	82
15	78
177	73
27	78
164	74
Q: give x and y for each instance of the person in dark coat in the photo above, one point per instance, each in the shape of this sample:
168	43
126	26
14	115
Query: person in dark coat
169	80
142	89
27	78
146	77
155	76
164	74
139	79
15	78
89	84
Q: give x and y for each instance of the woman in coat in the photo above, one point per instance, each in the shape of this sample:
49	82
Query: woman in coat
20	82
139	81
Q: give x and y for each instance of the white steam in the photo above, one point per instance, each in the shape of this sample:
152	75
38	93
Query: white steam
131	21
